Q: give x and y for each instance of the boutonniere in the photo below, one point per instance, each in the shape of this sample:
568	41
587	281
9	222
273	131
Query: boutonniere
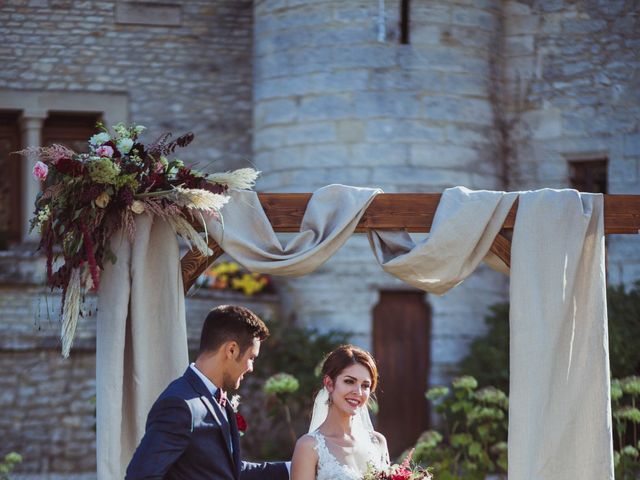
240	421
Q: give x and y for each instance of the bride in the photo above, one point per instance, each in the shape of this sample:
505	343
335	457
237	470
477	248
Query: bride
341	442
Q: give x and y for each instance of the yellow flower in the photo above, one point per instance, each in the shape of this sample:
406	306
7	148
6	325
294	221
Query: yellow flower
137	207
102	200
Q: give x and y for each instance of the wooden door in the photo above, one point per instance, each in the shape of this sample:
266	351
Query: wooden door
402	347
10	180
71	130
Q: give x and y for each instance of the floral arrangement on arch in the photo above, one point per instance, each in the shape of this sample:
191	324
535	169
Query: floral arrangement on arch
87	197
231	276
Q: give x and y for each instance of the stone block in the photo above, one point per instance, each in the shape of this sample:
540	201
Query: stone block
380	154
314	83
442	156
400	130
519	45
389	80
350	131
443	59
522	24
428	34
583	26
512	8
274	112
146	14
337	155
455	109
449	349
325	107
463	84
623	170
384	104
474	18
632	145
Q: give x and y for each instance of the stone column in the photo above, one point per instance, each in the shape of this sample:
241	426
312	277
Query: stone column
31	131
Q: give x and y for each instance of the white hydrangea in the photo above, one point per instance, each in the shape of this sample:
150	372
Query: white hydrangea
124	145
99	138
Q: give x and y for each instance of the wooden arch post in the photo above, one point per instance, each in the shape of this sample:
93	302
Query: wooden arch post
412	212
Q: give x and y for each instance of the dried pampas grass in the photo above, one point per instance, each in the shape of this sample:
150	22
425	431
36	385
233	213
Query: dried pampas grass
183	228
243	178
71	312
199	199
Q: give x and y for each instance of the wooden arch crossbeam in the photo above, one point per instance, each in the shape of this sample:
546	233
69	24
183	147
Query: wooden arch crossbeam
412	212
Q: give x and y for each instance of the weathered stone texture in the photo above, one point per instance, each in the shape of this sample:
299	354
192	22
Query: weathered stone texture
573	92
47	402
334	105
47	409
194	75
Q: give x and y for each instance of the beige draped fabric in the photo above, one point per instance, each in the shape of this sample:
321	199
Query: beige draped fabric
141	338
559	416
332	214
560	410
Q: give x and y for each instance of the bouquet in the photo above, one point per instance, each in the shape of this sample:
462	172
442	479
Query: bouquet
87	197
403	471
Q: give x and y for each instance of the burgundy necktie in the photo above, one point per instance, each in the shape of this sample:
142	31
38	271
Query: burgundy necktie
221	397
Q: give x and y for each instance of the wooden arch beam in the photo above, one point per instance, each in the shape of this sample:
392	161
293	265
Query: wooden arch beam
412	212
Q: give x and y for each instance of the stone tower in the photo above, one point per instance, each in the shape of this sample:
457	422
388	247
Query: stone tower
339	98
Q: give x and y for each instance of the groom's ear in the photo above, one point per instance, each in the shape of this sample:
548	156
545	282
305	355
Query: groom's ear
232	350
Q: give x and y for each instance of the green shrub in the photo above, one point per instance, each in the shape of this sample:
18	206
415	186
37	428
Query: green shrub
8	463
474	423
488	358
625	399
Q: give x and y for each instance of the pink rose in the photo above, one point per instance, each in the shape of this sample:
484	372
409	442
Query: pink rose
40	171
105	151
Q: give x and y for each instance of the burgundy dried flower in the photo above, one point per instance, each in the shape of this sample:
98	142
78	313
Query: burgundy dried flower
125	195
69	166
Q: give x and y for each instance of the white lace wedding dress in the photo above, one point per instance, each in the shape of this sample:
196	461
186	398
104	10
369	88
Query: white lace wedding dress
332	463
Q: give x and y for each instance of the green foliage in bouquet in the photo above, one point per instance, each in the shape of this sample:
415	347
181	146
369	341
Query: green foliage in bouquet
8	463
475	424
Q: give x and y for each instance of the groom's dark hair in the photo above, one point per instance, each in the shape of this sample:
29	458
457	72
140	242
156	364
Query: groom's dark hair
231	323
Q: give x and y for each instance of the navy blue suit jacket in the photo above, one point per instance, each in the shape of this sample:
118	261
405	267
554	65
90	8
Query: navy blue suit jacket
188	438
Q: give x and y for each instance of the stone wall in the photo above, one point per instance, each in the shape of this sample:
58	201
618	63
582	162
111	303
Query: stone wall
47	402
334	104
184	65
573	93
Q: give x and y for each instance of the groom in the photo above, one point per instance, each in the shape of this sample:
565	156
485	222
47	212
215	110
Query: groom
191	430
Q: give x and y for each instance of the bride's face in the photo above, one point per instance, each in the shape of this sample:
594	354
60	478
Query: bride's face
351	389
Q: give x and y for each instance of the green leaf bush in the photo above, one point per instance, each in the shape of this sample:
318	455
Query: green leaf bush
8	463
472	443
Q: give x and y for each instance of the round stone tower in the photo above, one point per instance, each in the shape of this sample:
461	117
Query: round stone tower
339	98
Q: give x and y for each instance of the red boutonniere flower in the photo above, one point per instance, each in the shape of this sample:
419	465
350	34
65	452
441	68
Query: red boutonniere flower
242	423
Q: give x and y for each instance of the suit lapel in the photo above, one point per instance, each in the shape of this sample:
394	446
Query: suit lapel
214	409
235	437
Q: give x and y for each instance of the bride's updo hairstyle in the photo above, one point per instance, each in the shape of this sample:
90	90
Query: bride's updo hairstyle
346	355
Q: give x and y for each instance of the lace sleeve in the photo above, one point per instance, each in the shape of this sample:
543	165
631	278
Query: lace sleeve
381	446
